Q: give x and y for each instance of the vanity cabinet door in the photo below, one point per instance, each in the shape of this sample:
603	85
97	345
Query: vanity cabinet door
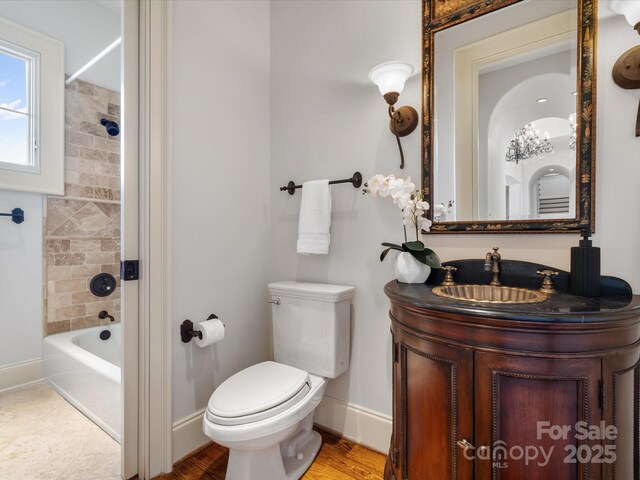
621	374
435	410
522	405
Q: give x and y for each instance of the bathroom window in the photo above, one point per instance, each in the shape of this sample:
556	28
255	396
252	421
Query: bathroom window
19	69
31	110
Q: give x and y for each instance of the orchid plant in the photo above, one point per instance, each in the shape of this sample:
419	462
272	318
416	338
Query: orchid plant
411	202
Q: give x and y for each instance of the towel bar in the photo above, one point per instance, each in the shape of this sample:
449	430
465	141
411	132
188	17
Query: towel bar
17	215
356	180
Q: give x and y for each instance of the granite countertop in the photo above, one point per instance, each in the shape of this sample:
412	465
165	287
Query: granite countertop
617	301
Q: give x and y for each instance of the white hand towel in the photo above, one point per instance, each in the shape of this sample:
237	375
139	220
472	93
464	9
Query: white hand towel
315	218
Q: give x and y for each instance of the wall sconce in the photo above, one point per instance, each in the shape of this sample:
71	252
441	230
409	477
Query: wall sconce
626	71
390	78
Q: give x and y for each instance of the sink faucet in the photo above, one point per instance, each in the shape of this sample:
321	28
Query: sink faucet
492	262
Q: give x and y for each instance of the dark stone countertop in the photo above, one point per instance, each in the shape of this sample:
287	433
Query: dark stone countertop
616	303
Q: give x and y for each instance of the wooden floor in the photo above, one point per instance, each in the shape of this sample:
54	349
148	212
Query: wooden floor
338	459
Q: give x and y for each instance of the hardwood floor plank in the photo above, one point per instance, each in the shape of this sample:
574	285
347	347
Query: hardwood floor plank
349	467
338	459
326	472
372	461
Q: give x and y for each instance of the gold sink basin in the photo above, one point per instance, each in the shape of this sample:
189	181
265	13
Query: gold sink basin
490	294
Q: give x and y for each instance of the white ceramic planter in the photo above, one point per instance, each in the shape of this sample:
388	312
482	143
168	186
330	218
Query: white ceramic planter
410	270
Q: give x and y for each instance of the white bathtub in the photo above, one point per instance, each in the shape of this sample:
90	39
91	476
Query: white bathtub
85	370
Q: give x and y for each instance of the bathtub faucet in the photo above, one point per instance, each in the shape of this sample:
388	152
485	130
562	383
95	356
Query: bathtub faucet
104	314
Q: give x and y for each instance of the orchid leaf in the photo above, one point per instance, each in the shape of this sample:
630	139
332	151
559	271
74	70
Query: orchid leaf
392	245
416	246
432	258
428	257
385	252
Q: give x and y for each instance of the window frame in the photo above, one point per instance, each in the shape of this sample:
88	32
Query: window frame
46	108
32	99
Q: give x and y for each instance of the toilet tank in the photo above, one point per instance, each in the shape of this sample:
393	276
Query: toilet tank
310	326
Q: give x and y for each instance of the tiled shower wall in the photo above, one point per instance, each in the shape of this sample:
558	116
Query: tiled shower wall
82	229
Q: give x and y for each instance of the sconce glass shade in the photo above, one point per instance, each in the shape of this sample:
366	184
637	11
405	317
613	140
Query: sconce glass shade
390	76
630	10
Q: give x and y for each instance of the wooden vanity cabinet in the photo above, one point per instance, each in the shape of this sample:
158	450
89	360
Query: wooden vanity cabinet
486	380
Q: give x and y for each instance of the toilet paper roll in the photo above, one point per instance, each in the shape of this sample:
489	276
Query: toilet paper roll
212	332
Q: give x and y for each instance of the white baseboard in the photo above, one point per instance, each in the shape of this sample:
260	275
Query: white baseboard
352	422
20	374
188	436
355	423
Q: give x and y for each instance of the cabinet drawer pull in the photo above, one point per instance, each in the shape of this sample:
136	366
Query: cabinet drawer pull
463	444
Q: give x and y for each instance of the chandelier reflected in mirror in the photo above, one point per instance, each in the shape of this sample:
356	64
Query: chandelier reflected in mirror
526	143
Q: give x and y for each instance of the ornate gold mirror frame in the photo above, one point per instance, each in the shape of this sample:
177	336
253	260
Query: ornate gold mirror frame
441	14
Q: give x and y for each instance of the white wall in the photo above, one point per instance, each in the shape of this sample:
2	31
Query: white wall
219	95
327	120
618	151
20	279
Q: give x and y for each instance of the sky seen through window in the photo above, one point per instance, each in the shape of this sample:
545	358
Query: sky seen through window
14	114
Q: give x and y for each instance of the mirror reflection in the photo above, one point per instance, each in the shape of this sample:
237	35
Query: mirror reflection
504	118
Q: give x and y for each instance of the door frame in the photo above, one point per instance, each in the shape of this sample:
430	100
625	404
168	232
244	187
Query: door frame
155	251
129	235
147	425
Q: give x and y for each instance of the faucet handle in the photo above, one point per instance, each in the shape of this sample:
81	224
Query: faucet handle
448	276
547	283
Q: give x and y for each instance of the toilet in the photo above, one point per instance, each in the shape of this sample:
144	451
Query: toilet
264	413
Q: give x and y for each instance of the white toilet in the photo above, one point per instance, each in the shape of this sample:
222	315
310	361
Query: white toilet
264	414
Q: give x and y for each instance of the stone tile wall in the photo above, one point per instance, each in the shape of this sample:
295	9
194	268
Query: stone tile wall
82	229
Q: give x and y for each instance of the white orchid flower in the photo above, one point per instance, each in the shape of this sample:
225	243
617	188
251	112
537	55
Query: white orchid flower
422	205
402	200
424	223
375	183
395	186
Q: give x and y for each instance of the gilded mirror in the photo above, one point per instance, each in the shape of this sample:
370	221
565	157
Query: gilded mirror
509	115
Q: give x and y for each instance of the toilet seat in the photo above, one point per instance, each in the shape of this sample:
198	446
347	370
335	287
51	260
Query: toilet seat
257	392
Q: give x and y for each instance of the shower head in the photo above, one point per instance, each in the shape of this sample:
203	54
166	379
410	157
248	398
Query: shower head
112	127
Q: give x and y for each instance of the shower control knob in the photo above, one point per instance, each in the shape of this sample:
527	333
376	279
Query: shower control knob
102	285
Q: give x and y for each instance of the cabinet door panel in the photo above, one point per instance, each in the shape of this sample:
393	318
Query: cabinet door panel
526	414
622	388
438	389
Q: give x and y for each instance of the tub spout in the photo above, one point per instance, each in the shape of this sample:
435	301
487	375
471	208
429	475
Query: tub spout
104	314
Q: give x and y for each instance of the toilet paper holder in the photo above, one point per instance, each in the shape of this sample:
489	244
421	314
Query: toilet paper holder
187	333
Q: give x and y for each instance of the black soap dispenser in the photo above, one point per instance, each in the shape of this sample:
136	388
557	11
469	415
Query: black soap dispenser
585	267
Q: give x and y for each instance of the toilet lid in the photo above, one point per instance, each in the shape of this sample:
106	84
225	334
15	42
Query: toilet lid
255	390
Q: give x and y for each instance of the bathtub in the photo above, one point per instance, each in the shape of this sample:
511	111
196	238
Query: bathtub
85	370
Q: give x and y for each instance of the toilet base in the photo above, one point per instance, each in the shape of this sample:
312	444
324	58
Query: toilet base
284	461
295	468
